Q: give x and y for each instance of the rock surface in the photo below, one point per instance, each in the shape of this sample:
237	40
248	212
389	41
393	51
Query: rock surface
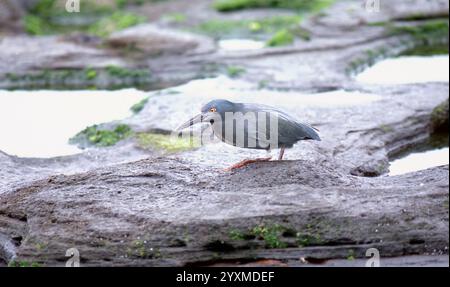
49	52
11	12
168	212
155	41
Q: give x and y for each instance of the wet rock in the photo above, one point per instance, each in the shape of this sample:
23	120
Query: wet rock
371	169
17	171
65	61
49	52
335	43
83	39
439	118
367	12
52	61
152	40
11	12
135	210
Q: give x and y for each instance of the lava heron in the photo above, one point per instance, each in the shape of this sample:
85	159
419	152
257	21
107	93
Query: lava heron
262	127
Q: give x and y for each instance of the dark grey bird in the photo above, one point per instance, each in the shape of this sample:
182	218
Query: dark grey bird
253	126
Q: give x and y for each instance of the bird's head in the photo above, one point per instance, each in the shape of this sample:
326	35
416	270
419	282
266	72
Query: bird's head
210	112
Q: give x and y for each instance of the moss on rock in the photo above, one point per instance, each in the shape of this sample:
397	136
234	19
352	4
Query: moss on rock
434	29
102	137
121	72
235	71
271	234
110	77
253	28
165	143
115	22
136	108
99	18
426	39
298	5
439	118
429	38
281	38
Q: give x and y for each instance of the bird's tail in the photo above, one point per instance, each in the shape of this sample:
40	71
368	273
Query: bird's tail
311	132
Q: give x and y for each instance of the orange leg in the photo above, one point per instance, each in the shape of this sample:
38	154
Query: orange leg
280	156
247	162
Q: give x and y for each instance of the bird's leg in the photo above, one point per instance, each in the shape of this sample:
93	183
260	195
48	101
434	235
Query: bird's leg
280	156
247	162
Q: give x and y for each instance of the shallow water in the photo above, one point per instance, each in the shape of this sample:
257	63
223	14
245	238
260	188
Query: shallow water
419	161
407	70
240	45
40	123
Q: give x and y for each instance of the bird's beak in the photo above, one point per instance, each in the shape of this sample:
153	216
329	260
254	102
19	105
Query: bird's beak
195	120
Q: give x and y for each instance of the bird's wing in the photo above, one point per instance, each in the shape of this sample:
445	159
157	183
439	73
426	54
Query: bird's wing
292	128
289	129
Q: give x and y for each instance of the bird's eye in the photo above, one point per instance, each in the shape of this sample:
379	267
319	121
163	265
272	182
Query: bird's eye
213	110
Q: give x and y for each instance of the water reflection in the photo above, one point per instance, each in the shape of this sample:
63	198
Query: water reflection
434	152
406	70
39	123
240	45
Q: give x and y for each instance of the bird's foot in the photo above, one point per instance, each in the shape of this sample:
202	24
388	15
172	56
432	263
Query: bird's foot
247	162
